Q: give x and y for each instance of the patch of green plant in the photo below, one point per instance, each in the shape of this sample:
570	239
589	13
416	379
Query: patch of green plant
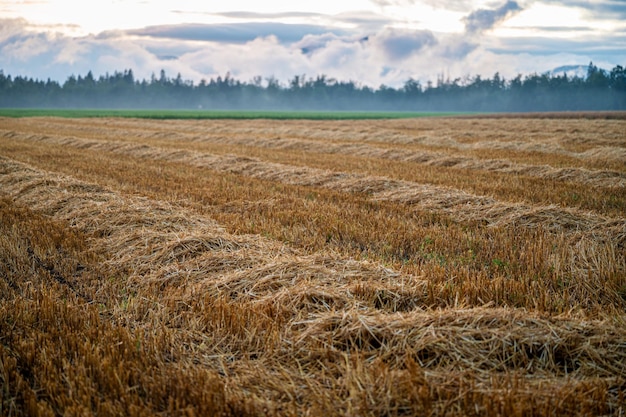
218	114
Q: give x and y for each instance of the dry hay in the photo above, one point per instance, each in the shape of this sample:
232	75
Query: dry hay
459	205
159	241
161	244
576	115
452	133
603	153
314	332
599	178
485	340
165	244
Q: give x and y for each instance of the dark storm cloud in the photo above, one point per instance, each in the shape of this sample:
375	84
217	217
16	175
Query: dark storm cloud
484	19
234	32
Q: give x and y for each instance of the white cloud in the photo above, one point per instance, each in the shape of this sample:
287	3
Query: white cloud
485	19
366	46
398	44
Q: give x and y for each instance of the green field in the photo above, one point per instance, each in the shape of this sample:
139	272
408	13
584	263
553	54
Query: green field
219	114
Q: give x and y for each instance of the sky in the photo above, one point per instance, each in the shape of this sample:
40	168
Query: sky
371	42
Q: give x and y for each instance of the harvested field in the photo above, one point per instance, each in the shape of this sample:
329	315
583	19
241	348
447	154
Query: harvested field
400	267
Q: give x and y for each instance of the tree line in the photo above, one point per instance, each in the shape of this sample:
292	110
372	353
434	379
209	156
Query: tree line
598	90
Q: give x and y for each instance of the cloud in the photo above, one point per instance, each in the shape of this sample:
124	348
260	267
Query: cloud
456	47
452	5
43	54
557	29
603	47
234	32
25	48
265	16
364	20
485	19
384	3
309	44
599	9
360	46
11	27
398	44
21	42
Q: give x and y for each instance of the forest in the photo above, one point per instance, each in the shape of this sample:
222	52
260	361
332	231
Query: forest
599	90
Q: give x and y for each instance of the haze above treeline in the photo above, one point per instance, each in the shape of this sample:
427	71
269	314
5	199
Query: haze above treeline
598	90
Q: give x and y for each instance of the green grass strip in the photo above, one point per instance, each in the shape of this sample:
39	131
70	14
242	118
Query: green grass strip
219	114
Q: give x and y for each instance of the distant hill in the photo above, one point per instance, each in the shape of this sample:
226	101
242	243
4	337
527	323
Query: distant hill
579	71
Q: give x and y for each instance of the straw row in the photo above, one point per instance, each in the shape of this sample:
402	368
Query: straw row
591	258
515	135
561	133
459	205
486	340
160	244
266	330
598	137
598	178
328	306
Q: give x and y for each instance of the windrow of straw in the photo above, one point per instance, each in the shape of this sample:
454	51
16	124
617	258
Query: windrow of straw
162	244
287	333
488	340
598	178
465	263
594	133
459	205
581	139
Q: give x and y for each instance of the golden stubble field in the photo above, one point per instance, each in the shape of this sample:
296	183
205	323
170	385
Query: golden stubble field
468	266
